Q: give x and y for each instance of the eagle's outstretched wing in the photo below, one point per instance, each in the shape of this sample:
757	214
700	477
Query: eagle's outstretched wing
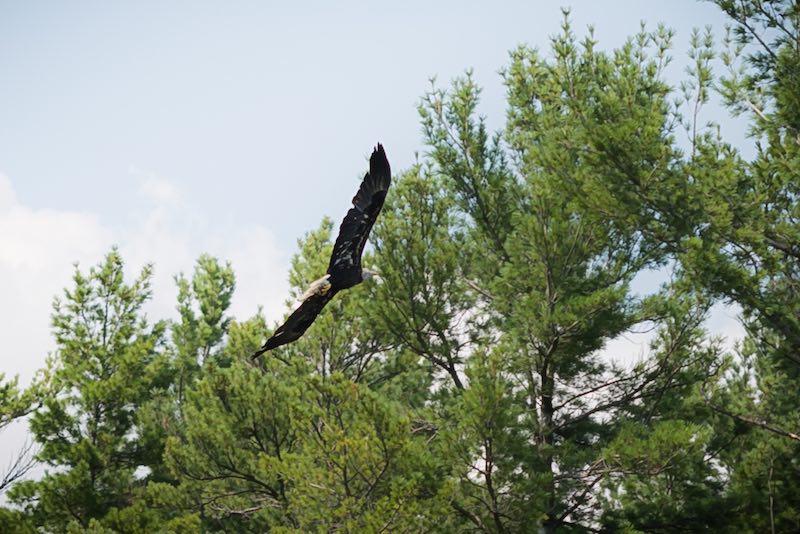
345	266
298	322
354	230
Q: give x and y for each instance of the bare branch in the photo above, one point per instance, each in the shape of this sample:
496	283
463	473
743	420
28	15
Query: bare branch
19	466
760	423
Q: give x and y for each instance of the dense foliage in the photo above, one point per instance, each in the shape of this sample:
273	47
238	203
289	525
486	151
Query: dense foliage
468	389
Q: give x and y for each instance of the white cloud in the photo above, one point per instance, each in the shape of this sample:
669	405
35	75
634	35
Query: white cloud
173	234
629	348
38	248
261	272
724	322
154	187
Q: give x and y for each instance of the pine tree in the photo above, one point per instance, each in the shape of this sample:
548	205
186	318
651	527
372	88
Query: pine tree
108	361
298	442
551	273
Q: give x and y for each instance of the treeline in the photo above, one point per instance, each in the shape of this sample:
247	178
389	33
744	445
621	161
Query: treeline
465	391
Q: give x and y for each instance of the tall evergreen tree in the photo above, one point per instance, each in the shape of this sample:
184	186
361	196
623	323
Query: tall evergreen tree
552	273
108	360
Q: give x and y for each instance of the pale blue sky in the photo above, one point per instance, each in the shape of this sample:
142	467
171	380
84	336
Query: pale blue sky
258	113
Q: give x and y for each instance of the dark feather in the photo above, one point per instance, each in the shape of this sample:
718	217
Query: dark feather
298	322
345	264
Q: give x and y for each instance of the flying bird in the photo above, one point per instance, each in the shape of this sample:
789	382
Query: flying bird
344	270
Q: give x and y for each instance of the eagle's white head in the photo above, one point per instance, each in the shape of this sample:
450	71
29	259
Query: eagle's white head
366	274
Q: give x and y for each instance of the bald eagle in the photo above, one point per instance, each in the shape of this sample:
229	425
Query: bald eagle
344	270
